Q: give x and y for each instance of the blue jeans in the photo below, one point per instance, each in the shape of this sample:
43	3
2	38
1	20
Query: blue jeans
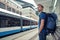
42	35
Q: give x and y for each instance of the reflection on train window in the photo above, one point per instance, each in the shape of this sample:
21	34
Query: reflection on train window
2	5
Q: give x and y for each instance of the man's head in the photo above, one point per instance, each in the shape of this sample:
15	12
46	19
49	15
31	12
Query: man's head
40	7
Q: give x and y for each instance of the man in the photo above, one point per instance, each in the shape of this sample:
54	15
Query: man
42	22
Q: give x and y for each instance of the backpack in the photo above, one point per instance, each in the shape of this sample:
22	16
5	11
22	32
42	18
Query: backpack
51	22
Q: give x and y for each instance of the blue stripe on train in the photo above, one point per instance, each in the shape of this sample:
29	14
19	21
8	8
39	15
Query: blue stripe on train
13	31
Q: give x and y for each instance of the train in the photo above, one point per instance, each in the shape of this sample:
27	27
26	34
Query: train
11	22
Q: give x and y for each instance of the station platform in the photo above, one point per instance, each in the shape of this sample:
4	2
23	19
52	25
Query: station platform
32	35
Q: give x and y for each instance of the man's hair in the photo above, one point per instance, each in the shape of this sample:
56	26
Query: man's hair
41	5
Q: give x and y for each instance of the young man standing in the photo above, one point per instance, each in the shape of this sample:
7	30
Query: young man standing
42	22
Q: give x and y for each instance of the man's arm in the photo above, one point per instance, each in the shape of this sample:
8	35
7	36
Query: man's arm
42	25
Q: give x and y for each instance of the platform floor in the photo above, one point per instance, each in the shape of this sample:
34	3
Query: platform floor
27	35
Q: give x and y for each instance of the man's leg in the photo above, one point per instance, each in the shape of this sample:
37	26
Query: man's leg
42	36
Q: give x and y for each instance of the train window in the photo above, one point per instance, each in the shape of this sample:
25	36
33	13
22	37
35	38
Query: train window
6	21
26	23
8	8
3	21
2	5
